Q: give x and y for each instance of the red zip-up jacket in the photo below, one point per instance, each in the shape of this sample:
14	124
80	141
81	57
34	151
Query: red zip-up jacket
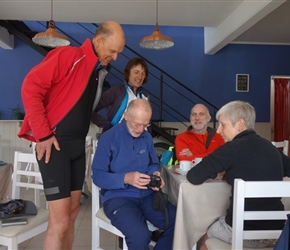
52	88
198	148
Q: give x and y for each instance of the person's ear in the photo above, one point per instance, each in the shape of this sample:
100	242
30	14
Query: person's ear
209	117
126	116
241	124
97	40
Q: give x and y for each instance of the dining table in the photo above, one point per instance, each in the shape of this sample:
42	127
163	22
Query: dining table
198	206
6	170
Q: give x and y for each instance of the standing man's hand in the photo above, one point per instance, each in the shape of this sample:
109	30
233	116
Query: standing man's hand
44	148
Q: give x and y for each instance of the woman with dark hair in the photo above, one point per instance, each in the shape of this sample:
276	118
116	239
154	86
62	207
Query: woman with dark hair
116	99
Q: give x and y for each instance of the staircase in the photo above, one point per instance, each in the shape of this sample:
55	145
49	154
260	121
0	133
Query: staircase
161	83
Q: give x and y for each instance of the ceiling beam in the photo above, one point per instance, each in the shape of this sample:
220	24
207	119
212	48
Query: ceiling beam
23	37
6	39
240	20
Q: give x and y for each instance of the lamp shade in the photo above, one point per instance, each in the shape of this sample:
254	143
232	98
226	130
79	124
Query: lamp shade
50	38
156	41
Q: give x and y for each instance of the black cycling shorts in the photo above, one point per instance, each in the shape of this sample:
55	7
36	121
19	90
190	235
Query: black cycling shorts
65	171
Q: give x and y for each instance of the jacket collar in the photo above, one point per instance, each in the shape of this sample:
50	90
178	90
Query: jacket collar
139	90
245	133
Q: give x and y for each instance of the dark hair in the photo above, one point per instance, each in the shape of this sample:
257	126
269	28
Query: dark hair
134	62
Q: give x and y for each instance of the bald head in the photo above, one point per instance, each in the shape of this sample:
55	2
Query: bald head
139	105
109	41
137	116
200	107
199	118
108	28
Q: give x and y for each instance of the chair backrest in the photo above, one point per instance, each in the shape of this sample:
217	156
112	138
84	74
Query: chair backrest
256	189
95	144
22	175
282	144
37	224
95	195
100	220
1	156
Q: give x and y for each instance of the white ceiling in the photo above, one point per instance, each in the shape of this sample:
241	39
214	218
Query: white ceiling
225	21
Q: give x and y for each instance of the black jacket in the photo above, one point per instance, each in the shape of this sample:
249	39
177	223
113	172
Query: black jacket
251	158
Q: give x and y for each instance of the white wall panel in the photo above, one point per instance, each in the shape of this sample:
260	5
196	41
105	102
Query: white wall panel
10	142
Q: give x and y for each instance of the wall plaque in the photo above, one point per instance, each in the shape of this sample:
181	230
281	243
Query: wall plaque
242	83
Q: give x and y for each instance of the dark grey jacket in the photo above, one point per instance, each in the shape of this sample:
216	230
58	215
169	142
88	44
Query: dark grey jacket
110	101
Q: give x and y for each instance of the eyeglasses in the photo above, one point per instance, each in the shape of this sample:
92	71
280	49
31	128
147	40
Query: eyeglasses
137	125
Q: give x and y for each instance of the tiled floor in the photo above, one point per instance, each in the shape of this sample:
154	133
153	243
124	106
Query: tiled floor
83	233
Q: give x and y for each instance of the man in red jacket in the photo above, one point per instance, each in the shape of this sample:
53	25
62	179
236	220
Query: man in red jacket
199	140
59	95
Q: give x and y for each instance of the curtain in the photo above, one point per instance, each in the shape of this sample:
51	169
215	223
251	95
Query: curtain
281	109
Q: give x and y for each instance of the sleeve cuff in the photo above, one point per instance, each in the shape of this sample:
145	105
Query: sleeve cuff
47	137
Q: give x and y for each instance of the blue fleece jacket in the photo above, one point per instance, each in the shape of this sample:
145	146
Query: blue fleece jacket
118	153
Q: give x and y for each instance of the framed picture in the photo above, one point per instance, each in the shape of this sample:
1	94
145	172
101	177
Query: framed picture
242	83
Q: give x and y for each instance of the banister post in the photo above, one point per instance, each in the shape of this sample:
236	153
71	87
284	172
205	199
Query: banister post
161	98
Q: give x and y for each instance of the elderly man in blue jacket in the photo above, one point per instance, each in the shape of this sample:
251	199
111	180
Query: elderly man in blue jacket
124	160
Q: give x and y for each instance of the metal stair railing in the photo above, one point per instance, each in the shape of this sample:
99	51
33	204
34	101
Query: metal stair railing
169	88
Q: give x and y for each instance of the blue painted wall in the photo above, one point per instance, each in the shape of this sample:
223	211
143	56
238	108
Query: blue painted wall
211	76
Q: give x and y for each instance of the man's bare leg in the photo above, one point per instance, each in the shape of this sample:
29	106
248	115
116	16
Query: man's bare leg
62	215
75	208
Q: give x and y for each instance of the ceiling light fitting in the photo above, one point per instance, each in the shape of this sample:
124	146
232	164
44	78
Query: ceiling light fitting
50	38
156	40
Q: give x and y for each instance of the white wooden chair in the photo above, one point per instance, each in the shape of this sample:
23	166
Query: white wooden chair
1	156
282	144
95	144
12	236
100	220
252	189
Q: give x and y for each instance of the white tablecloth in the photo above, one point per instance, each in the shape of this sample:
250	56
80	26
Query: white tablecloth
88	178
198	207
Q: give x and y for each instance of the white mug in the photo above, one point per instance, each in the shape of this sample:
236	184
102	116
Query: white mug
185	165
197	160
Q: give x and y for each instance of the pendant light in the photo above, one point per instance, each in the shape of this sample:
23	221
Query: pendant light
156	40
50	38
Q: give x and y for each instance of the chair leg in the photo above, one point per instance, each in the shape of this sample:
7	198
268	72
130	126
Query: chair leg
13	244
125	247
95	237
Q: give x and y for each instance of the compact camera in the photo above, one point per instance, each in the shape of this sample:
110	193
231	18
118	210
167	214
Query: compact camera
155	181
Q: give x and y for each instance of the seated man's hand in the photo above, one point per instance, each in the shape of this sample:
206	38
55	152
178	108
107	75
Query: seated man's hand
141	181
185	152
137	180
162	182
